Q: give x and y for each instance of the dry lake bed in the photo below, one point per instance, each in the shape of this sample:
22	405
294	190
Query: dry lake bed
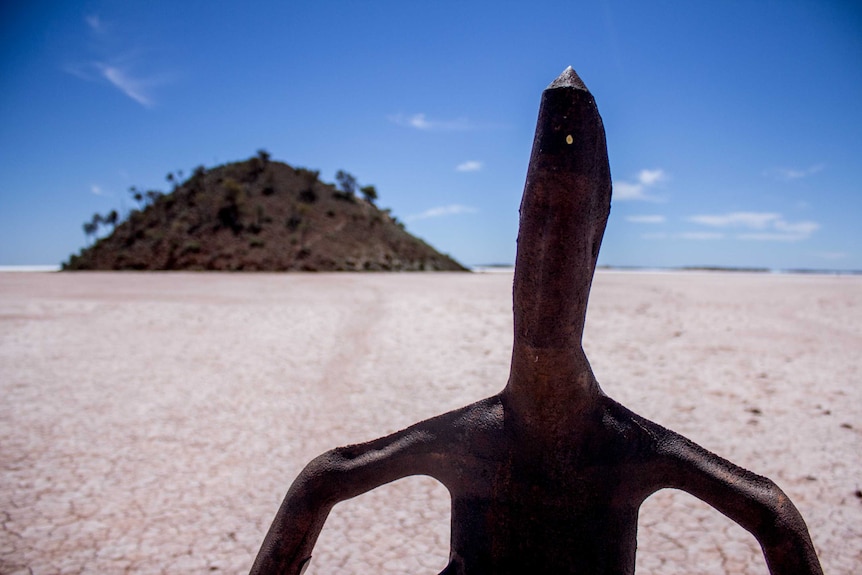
152	422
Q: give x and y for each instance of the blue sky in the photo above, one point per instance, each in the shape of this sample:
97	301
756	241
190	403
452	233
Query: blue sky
734	128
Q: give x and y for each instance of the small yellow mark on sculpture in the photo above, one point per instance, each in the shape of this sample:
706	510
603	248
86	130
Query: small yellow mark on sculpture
569	139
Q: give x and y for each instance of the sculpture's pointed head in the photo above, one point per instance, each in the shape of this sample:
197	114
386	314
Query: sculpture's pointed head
564	210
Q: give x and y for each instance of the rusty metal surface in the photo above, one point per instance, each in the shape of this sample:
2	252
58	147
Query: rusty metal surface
547	476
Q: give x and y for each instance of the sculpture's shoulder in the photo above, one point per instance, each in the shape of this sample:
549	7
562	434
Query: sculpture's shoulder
469	430
478	427
636	436
484	416
472	437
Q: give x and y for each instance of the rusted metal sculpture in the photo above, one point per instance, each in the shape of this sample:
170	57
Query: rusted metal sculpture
547	476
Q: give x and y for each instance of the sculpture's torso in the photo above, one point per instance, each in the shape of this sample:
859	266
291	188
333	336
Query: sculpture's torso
514	497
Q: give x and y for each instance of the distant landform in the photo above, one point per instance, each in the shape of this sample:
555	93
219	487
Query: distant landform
257	215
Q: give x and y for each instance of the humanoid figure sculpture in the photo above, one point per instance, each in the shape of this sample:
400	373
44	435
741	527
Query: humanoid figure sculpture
547	476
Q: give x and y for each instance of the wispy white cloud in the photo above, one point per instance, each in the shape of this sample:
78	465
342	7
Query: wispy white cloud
450	210
771	237
469	166
417	121
755	220
797	228
700	236
95	23
121	78
640	188
788	174
646	219
766	226
422	122
97	190
651	177
120	69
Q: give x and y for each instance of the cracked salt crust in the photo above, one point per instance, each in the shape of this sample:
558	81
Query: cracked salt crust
151	423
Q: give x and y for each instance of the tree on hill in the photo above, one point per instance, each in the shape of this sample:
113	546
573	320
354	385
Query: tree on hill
111	219
152	196
369	193
348	186
137	195
92	227
346	182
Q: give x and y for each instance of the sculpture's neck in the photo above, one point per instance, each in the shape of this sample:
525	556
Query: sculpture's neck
565	206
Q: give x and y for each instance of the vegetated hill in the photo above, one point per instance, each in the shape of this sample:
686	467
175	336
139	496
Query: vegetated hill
258	215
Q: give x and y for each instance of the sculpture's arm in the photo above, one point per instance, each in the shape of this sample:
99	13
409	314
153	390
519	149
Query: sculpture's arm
754	502
337	475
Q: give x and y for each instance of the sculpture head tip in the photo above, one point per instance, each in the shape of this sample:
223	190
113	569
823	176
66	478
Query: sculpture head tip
568	79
